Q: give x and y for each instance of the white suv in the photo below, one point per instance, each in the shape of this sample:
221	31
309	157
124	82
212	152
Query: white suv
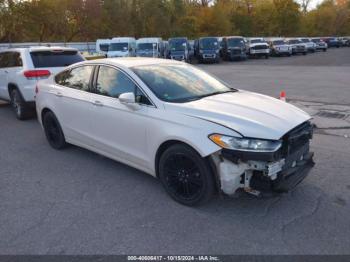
21	68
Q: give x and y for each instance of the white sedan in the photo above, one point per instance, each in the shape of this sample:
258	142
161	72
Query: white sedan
173	121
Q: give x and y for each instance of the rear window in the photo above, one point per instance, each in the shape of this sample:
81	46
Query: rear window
55	59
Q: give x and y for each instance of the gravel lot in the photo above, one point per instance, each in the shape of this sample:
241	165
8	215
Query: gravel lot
77	202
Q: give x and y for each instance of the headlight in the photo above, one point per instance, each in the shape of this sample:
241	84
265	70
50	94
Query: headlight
245	144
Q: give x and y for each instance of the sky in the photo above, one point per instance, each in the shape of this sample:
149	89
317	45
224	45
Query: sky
314	3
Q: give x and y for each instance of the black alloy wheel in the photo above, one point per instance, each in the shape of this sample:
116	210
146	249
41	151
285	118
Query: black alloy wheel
53	131
185	175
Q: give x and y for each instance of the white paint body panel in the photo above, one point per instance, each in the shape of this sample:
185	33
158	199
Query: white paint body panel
133	136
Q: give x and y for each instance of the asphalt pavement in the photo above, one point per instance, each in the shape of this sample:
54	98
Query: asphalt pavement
77	202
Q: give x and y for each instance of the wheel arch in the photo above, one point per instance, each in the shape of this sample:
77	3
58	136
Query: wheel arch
166	144
11	86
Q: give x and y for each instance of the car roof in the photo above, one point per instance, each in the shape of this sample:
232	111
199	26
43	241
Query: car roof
134	61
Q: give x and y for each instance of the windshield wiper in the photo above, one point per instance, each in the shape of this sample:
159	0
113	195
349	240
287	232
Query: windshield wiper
216	93
194	98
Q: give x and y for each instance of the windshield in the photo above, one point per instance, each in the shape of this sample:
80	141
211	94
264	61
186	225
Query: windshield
294	41
179	83
208	43
235	42
146	46
177	44
279	42
256	41
104	47
316	40
118	47
304	40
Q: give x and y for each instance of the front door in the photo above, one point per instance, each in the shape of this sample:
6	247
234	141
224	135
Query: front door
117	129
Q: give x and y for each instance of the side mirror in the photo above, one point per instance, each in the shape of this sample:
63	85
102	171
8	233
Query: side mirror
129	100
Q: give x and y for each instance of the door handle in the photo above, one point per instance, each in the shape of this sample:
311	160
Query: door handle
59	94
56	93
97	103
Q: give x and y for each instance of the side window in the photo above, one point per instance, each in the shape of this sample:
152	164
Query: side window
2	60
112	82
78	78
61	77
14	59
141	98
5	59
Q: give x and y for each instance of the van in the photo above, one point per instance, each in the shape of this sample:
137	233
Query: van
102	46
122	47
179	49
207	49
150	47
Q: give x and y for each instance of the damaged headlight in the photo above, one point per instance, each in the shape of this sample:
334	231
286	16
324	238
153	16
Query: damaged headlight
245	144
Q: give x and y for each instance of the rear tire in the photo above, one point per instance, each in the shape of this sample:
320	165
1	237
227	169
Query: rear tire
185	175
19	105
53	131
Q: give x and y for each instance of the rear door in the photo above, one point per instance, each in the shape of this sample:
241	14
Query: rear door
12	63
72	100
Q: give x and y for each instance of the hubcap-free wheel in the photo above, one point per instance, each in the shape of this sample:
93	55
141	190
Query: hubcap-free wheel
53	131
185	175
17	104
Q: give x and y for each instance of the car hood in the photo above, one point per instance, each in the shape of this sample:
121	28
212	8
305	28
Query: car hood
250	114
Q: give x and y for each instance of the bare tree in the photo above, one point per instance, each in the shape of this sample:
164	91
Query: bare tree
305	5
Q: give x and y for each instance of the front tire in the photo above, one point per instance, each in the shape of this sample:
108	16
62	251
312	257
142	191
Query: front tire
53	131
185	175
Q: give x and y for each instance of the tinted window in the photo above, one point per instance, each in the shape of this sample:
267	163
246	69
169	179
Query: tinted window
235	42
112	82
3	62
278	42
10	59
55	58
104	47
146	46
208	43
177	44
256	41
294	41
78	78
118	47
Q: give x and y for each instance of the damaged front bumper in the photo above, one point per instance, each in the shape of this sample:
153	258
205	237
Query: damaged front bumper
260	173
